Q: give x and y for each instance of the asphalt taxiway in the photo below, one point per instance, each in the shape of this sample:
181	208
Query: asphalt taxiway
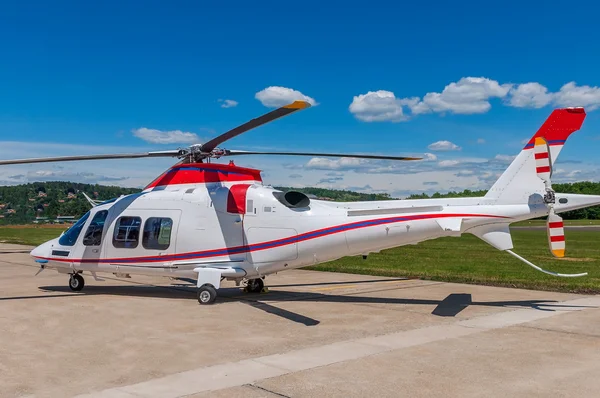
314	334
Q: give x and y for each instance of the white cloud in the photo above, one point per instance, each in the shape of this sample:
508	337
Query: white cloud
228	103
276	96
480	141
80	177
505	158
465	173
165	137
448	163
380	106
443	146
468	95
429	157
529	95
535	95
572	95
337	164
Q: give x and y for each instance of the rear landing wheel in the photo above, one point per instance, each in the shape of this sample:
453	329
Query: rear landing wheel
255	285
76	282
207	294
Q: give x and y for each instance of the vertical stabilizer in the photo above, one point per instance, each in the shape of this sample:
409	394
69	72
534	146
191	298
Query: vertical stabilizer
520	180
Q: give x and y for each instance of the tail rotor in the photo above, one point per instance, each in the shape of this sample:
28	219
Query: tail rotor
554	223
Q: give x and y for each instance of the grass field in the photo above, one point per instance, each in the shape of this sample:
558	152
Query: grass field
567	222
465	259
28	235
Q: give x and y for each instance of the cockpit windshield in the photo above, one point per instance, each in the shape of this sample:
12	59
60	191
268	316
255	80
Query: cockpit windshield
70	236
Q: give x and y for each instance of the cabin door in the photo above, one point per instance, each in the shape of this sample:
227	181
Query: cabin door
142	238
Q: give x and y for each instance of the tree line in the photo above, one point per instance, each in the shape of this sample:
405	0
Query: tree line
21	204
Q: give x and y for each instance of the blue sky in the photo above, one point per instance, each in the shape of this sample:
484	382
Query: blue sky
387	77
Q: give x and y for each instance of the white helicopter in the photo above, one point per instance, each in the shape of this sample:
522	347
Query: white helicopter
211	222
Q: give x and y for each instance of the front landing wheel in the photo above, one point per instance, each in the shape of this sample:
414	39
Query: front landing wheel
76	282
207	294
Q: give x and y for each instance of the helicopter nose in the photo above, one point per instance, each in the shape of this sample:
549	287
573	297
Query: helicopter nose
41	252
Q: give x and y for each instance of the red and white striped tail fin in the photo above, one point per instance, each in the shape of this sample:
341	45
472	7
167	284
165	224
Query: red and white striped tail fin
522	178
543	164
556	235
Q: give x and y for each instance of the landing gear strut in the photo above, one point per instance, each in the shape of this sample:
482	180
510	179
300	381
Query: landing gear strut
76	282
255	285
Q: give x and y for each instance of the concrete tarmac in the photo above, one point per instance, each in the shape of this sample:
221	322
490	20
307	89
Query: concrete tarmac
314	334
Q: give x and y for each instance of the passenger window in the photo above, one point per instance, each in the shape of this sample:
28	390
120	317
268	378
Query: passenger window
93	235
157	233
127	232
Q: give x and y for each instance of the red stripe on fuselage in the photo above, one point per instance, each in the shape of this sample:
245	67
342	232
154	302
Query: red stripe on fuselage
269	244
558	224
559	238
543	155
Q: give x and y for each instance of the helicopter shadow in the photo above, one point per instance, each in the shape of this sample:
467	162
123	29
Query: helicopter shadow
449	306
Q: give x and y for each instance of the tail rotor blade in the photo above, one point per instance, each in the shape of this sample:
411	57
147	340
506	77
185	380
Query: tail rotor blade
556	235
543	166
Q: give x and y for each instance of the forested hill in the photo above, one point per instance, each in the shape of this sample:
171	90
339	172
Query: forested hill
338	195
21	204
583	187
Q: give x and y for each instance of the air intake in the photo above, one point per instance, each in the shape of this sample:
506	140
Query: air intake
292	199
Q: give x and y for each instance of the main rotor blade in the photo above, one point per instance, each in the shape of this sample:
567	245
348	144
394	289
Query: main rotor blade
259	121
337	155
170	153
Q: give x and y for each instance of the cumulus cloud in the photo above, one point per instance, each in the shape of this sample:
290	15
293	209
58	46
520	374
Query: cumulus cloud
535	95
448	163
380	106
429	157
468	95
276	96
228	103
337	164
529	95
505	158
165	137
443	146
572	95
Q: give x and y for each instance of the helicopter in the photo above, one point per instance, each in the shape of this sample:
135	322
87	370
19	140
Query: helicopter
212	222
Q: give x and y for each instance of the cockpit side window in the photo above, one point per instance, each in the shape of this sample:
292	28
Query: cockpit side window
70	236
127	232
93	235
